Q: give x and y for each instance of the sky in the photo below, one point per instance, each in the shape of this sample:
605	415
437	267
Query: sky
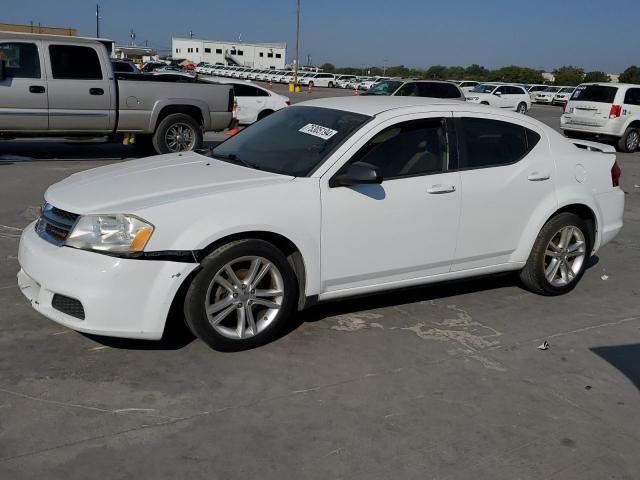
541	34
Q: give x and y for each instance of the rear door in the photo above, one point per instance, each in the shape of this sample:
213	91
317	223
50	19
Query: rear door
251	101
506	174
23	93
81	96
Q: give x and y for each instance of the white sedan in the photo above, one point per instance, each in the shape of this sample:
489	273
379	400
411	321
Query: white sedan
504	96
319	201
254	102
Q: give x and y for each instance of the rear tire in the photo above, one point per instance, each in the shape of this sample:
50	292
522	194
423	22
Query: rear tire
246	309
629	142
557	263
177	132
522	108
330	84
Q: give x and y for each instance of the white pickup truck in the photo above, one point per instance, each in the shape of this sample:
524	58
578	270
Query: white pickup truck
57	86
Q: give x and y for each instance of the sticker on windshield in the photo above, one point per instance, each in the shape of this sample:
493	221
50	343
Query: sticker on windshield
318	131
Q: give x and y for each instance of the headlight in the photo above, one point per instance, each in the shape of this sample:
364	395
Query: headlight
110	233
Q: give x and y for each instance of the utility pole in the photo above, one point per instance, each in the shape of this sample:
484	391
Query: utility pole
97	20
295	72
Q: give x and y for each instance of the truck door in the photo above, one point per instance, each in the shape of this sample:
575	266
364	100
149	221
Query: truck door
81	89
23	92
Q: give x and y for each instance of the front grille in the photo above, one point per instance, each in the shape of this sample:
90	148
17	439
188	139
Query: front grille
68	305
54	225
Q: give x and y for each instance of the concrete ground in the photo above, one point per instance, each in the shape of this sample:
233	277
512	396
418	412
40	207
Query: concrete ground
442	382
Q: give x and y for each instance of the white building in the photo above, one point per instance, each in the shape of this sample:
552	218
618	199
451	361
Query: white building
257	55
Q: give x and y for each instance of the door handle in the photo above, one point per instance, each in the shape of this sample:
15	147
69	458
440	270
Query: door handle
538	176
96	91
36	89
439	189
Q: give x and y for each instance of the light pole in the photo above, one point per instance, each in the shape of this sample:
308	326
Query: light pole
97	20
295	72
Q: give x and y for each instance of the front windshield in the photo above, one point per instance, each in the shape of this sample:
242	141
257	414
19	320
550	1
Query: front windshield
567	90
483	88
386	87
293	141
552	89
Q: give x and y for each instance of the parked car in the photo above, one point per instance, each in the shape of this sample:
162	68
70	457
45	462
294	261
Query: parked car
151	66
253	101
563	95
417	88
75	92
467	85
368	82
533	89
343	80
545	96
267	223
499	95
124	66
327	80
605	111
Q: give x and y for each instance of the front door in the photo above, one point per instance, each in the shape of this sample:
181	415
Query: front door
81	96
23	92
403	229
507	174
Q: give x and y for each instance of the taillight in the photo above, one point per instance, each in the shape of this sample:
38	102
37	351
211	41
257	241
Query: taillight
616	172
616	111
566	107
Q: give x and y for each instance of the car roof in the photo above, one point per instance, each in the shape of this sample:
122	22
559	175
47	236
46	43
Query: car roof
611	84
372	106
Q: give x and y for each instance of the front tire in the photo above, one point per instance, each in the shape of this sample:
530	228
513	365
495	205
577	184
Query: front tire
243	296
629	142
559	256
176	133
522	108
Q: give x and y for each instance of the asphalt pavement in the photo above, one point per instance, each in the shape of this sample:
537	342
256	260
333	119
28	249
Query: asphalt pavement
440	382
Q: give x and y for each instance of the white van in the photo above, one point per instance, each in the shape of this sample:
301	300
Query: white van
605	111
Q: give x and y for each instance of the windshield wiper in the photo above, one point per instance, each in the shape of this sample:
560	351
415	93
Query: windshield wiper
232	157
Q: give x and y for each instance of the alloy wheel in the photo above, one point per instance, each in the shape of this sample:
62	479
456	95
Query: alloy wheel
244	297
633	140
564	256
180	138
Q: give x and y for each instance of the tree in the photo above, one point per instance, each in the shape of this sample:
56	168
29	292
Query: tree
596	77
568	75
328	67
630	75
437	72
476	72
456	73
516	74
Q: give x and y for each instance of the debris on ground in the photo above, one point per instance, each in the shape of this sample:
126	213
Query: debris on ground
605	277
544	346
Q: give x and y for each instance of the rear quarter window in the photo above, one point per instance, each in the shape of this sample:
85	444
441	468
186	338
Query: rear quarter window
595	93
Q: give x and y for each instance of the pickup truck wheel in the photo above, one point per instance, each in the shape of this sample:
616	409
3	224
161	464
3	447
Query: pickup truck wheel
177	132
559	256
629	142
242	297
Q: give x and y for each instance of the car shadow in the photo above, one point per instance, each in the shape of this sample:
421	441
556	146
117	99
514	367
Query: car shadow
626	358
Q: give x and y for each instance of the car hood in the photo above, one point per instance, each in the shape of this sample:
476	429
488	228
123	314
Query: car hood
130	186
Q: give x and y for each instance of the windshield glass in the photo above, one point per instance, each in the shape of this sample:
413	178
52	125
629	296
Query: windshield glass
293	141
483	88
595	93
567	90
552	89
386	87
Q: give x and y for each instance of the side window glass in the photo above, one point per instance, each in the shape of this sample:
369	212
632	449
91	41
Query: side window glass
20	60
492	143
412	148
408	90
71	62
632	97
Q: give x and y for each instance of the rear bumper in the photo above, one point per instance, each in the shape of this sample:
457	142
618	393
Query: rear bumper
606	130
611	206
121	297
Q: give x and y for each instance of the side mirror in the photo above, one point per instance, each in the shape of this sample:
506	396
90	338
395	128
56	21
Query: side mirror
2	74
499	94
358	173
